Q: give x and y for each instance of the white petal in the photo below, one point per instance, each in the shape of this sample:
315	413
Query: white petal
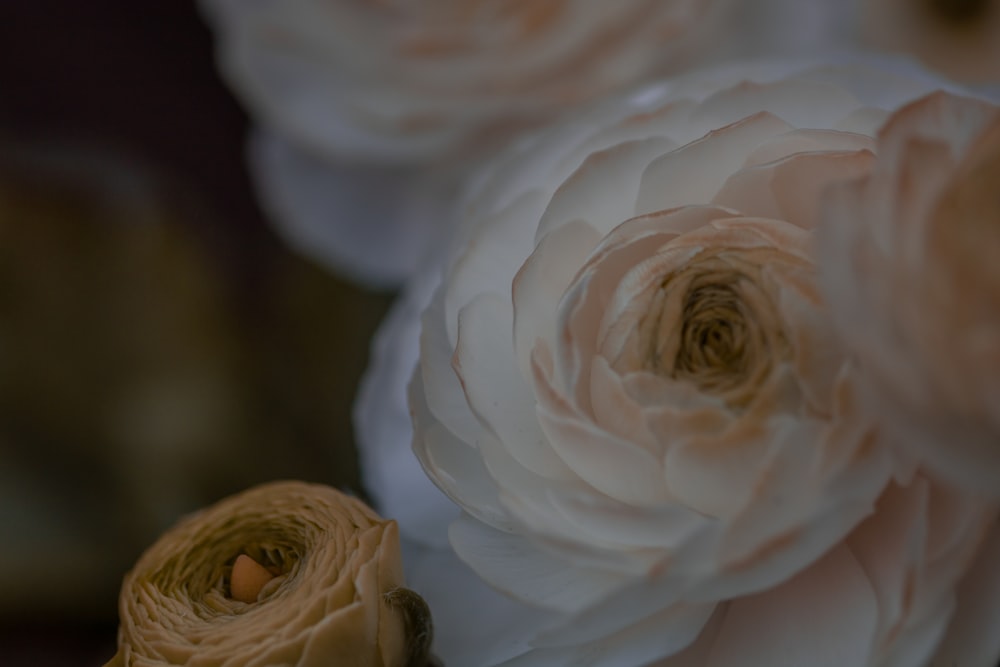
610	464
972	637
456	467
473	623
491	258
372	224
383	429
497	394
540	283
824	617
441	389
693	173
518	567
602	191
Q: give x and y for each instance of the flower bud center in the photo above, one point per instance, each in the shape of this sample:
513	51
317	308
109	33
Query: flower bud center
247	579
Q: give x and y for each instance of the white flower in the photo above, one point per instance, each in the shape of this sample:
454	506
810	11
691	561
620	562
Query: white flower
399	81
629	383
910	261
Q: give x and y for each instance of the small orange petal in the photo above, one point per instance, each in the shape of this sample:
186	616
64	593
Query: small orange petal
247	579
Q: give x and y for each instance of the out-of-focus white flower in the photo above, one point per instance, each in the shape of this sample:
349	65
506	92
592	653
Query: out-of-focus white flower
910	260
402	81
630	385
372	111
961	38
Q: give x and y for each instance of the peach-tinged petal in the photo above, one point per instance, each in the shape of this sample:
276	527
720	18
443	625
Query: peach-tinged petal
590	451
800	102
541	282
603	189
697	170
834	611
972	638
787	190
790	144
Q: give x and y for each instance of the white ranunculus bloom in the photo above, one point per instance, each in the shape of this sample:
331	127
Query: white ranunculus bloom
910	263
630	385
403	82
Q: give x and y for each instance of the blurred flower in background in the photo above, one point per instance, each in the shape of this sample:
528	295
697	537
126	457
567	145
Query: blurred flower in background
910	267
371	111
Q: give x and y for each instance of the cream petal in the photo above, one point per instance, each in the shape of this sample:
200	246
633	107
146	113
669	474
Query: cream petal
518	567
647	639
640	124
459	472
452	464
933	117
614	409
602	190
817	354
789	188
889	547
590	451
512	176
808	140
865	121
693	173
441	388
496	392
823	617
541	282
972	638
491	258
668	527
718	475
564	541
800	102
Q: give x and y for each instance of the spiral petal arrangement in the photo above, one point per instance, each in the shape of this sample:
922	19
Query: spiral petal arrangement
286	573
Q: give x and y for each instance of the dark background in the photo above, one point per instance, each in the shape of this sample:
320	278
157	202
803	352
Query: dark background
138	79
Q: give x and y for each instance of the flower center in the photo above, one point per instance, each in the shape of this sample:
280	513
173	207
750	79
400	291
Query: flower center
247	579
713	335
713	327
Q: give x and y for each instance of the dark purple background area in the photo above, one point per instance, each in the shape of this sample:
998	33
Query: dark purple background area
138	77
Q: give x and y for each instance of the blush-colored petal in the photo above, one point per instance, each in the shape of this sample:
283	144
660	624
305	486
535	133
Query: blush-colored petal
834	614
541	282
697	170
